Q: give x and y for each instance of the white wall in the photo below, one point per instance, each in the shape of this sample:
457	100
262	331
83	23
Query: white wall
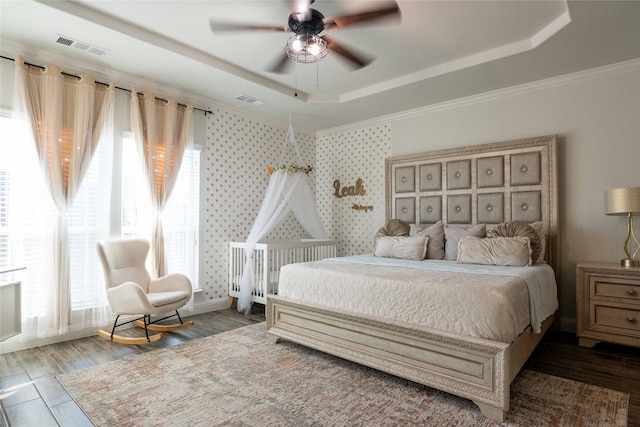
596	115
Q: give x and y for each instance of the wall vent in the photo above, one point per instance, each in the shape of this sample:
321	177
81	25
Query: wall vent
249	100
85	47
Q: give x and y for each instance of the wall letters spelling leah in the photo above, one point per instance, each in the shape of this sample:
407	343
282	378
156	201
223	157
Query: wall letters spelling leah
354	190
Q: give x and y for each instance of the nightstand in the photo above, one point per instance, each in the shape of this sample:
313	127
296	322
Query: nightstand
608	304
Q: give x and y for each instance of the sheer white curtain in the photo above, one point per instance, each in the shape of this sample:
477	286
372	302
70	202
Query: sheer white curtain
286	192
162	130
303	206
67	117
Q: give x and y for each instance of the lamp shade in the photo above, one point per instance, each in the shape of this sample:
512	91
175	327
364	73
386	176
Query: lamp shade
622	201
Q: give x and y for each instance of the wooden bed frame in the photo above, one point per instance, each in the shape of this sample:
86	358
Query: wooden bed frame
470	185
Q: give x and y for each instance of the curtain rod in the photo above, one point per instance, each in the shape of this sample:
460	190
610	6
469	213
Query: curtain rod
104	84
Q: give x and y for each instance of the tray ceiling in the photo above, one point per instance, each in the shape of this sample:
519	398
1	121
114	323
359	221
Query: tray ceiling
437	51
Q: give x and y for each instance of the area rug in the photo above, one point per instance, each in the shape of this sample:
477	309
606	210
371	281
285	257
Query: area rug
238	378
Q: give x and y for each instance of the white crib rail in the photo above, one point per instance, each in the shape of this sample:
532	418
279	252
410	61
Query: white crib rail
268	258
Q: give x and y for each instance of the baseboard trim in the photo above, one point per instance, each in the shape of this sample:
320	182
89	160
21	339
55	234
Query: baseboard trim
207	306
568	325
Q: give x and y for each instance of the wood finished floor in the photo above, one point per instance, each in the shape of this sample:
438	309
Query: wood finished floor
40	401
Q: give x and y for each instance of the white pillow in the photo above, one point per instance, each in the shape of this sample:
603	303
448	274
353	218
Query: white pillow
507	251
404	247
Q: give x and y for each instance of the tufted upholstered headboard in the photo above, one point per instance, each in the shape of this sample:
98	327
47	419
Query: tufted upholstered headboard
490	183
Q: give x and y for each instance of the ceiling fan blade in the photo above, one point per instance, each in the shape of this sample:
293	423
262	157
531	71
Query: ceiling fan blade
219	27
339	22
357	60
280	65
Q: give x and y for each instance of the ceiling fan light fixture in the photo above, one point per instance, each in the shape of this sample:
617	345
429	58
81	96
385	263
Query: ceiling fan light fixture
306	48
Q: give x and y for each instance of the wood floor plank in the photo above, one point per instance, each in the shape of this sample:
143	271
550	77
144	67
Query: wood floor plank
70	414
3	419
66	356
167	340
31	413
10	365
187	334
203	328
92	351
37	363
17	389
633	364
116	350
51	391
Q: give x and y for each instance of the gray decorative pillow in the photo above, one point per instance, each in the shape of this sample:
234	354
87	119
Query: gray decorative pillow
404	247
394	227
435	233
518	229
453	234
543	239
506	251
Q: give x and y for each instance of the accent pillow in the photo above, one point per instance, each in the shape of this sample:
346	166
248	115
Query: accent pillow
518	229
404	247
543	239
394	227
453	234
435	233
506	251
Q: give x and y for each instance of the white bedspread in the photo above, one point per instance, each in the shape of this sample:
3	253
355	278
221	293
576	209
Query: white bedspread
490	302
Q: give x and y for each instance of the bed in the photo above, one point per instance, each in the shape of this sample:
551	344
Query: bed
480	186
268	258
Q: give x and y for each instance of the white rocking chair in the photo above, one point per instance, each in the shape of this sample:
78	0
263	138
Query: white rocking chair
132	291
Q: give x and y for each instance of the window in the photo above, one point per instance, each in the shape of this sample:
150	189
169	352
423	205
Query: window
26	225
180	218
27	215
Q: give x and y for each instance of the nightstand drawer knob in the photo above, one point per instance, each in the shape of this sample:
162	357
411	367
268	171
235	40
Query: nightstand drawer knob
631	292
631	319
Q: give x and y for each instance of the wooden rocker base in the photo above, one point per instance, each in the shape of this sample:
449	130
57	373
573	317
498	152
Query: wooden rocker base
145	323
163	328
128	340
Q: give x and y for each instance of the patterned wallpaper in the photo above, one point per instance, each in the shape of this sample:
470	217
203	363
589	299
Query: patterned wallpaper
237	153
349	156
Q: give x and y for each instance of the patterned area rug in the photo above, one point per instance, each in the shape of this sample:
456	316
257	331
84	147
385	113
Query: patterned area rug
237	378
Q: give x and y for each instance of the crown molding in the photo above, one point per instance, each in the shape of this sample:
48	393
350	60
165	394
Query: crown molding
560	22
617	68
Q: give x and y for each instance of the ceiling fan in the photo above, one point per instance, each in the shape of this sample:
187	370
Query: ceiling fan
307	45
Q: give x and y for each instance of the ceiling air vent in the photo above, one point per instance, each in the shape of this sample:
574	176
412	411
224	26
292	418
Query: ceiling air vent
64	41
85	47
250	100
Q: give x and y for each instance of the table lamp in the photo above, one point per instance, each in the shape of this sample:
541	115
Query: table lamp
625	201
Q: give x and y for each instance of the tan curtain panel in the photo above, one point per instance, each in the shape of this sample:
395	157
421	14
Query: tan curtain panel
67	116
162	129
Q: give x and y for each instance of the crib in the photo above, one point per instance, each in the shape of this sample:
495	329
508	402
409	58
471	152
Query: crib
268	257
